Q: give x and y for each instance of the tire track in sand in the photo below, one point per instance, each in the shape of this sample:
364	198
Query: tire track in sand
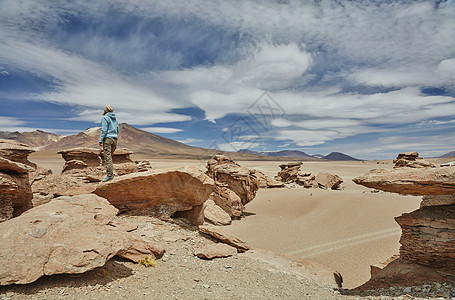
347	242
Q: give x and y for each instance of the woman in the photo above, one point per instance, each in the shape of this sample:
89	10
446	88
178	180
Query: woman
108	138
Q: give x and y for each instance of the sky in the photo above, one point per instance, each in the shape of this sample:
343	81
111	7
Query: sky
367	78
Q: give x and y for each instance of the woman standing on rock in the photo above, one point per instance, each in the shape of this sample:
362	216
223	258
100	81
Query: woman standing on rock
108	138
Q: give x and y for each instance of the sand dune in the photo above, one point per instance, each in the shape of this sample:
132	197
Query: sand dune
346	230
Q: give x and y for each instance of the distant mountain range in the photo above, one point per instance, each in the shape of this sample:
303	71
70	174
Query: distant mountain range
143	142
302	155
449	154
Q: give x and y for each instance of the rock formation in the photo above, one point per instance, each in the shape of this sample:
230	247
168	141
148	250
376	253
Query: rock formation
428	234
235	186
411	181
290	172
411	160
67	235
89	161
265	181
15	190
182	189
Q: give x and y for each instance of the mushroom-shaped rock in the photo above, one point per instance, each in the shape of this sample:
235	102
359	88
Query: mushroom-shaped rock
410	181
179	189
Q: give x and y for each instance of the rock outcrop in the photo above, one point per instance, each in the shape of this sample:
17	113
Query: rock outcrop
428	237
265	181
89	161
428	234
15	190
67	235
411	160
411	181
291	173
168	191
235	186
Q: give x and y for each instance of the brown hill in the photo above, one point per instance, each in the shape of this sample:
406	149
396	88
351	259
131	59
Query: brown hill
142	142
37	138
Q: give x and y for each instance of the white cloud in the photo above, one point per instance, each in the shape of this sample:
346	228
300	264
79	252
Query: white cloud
10	122
162	129
189	141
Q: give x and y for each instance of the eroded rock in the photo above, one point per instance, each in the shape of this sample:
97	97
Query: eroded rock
172	190
15	190
235	186
410	181
85	162
215	214
47	239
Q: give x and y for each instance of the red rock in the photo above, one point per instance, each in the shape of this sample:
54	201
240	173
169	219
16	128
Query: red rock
15	190
47	239
215	250
235	186
89	161
410	181
215	214
328	181
140	248
437	200
224	236
428	236
178	189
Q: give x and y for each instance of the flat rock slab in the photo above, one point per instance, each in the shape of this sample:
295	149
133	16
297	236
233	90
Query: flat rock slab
215	250
182	188
224	236
66	235
410	181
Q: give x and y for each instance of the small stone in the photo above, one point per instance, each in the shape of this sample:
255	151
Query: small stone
407	290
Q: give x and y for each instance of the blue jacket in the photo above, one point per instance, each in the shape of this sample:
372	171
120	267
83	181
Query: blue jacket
109	126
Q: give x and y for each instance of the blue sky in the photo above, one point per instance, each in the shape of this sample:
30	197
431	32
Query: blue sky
367	78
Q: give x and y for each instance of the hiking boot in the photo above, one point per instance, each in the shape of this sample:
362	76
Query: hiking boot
108	178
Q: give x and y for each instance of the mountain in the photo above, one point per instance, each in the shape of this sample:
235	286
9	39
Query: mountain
282	153
37	138
449	154
339	156
301	154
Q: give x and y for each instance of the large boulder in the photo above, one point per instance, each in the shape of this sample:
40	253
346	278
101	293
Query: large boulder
328	181
85	162
67	235
410	181
411	160
172	190
235	186
15	190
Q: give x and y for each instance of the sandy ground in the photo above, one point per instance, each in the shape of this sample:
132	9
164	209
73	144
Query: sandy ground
346	230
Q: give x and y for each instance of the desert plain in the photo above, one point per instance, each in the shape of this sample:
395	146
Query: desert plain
346	230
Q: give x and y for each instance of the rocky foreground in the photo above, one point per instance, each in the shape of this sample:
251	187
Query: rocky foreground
63	236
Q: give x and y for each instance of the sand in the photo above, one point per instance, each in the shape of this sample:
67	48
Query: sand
346	230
